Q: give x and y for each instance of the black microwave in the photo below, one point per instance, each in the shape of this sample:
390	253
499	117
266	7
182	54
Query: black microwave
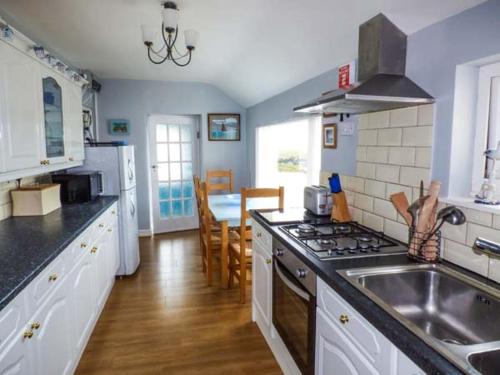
79	187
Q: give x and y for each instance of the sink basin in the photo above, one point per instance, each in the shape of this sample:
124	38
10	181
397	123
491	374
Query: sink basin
455	314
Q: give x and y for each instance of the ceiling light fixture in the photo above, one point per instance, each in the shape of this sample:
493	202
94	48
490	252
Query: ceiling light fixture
169	32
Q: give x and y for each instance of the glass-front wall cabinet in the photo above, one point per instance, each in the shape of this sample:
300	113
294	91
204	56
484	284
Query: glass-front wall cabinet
53	115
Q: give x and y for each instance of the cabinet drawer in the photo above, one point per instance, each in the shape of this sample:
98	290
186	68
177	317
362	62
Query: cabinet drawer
46	282
370	342
261	235
12	318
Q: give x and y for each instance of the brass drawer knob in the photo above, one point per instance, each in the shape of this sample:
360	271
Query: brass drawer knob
269	261
35	325
28	334
93	250
71	158
344	319
113	212
101	225
110	230
259	234
83	245
53	277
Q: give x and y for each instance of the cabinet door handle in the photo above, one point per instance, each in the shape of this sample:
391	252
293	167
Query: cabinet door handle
53	277
259	234
101	225
110	230
344	319
93	250
71	158
113	212
83	245
28	334
269	261
35	325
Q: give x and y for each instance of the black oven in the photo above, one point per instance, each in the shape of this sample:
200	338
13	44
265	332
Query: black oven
294	306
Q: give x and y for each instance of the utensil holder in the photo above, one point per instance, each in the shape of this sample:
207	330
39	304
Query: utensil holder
424	249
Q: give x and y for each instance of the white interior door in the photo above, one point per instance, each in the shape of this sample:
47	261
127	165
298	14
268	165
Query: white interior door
174	159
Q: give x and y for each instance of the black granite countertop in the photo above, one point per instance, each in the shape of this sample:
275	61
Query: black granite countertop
29	244
427	358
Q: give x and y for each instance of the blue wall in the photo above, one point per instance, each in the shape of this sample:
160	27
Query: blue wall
280	108
135	100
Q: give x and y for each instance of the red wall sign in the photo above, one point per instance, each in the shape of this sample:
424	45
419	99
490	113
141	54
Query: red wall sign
344	79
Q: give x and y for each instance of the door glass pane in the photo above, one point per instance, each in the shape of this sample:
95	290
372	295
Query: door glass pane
164	209
163	172
186	152
187	170
173	133
162	152
176	190
187	189
175	171
177	208
185	133
54	129
164	191
161	133
188	207
175	151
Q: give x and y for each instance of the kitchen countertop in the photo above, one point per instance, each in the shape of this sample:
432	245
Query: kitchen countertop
29	244
427	358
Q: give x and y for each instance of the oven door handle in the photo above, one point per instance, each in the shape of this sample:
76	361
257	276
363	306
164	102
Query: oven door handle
290	284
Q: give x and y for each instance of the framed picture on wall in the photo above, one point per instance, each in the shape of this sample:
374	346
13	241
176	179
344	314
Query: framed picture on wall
330	136
119	127
224	127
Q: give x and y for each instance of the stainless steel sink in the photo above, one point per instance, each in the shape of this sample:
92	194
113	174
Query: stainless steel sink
455	314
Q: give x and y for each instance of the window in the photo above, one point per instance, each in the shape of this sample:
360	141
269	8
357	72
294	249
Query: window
487	123
288	155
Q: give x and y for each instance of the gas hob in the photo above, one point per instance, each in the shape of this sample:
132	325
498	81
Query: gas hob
342	240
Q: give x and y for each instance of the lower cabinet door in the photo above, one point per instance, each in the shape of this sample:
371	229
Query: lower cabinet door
83	300
16	357
53	340
335	354
101	268
262	282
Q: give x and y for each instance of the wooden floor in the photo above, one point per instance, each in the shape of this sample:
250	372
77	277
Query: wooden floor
165	320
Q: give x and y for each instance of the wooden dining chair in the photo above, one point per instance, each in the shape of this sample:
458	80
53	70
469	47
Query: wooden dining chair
214	178
240	251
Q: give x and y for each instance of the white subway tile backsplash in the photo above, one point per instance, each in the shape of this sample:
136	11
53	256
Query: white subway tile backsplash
418	136
423	157
426	114
389	137
356	214
387	173
394	188
475	230
367	137
465	257
478	217
363	121
379	120
494	269
496	221
375	188
402	156
385	208
365	170
412	176
457	233
363	202
396	230
361	153
357	184
377	154
404	117
373	221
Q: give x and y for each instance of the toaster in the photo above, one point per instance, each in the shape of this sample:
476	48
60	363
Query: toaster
318	200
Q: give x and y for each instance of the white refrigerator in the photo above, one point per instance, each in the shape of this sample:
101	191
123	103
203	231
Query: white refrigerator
117	165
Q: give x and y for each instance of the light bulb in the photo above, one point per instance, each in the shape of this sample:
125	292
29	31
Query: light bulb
191	38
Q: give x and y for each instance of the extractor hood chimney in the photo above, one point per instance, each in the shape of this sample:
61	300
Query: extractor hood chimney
381	67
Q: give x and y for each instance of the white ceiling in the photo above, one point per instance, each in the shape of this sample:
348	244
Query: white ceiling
250	49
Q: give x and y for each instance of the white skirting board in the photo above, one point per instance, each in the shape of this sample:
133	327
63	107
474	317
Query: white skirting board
277	346
145	233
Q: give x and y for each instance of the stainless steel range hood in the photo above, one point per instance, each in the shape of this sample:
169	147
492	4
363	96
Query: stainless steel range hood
381	67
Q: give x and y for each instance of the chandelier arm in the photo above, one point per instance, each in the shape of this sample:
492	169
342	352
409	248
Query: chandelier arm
159	51
187	62
181	55
156	62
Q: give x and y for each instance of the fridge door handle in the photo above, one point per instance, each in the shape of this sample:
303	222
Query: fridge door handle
132	208
130	172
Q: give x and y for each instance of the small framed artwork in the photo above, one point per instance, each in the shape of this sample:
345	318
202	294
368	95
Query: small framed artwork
119	127
223	127
330	136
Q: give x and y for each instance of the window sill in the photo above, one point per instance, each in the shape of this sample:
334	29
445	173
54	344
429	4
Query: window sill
469	203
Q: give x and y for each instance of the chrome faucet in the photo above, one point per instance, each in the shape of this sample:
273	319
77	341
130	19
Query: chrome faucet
486	246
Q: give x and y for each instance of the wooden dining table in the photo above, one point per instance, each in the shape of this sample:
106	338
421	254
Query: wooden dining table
226	210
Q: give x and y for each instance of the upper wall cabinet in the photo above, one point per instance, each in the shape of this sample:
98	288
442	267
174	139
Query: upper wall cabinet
20	110
41	127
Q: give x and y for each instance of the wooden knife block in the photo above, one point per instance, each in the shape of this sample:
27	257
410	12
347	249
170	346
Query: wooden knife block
340	209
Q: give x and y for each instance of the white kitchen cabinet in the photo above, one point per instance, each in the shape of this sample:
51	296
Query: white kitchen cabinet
405	366
52	341
73	122
262	274
100	260
17	357
335	353
20	110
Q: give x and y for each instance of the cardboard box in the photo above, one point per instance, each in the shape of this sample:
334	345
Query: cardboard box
35	200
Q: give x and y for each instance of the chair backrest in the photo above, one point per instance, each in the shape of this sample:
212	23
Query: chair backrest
219	175
257	193
205	215
196	184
